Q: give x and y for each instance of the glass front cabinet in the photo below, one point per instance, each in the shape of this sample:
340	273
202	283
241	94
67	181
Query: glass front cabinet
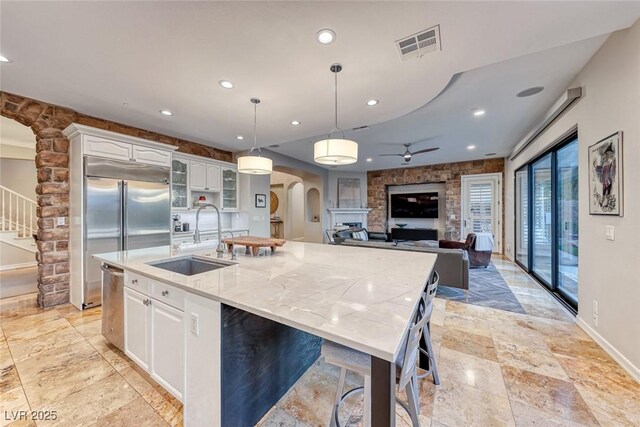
179	183
229	194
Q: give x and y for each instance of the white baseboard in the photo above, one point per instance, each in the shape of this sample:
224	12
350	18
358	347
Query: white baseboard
17	266
633	370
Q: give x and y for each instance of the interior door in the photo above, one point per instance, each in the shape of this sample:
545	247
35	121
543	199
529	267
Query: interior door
147	214
103	210
481	206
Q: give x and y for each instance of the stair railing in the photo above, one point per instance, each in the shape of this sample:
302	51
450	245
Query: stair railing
18	213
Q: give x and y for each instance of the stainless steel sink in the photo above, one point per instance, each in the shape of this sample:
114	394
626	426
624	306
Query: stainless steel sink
190	265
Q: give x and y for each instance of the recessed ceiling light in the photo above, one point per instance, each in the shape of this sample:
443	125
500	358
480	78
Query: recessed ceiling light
295	123
240	137
4	59
166	113
471	147
369	159
226	84
529	92
325	36
372	102
478	112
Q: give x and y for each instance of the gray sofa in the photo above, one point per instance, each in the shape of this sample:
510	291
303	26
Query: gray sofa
452	264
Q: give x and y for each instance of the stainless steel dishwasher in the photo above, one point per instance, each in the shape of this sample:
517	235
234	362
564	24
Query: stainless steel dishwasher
113	305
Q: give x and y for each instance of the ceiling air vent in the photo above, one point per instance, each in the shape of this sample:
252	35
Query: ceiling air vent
419	44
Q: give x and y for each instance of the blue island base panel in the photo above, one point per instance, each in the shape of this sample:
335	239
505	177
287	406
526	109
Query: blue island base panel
261	360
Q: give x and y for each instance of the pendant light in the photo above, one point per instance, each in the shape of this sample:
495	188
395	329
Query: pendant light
335	151
254	163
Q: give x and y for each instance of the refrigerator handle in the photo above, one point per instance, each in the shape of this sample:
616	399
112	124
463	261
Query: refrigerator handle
120	214
124	215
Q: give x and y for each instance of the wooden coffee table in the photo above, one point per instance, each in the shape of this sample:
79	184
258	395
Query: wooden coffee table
254	243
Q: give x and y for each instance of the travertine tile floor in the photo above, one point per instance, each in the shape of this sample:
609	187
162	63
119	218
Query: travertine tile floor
497	368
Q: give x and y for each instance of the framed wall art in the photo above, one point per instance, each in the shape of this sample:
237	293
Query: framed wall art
605	176
348	192
261	200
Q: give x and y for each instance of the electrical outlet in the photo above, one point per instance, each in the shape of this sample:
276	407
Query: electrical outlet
195	325
610	233
60	220
509	248
595	313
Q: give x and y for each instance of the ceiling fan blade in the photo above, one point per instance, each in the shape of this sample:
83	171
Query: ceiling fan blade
426	150
401	155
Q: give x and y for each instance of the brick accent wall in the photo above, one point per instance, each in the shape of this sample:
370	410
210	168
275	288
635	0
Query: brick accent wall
447	173
52	163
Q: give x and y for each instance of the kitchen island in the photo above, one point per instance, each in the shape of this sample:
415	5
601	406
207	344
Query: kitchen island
251	328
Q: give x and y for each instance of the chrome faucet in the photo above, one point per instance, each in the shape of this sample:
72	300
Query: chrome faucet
234	257
196	233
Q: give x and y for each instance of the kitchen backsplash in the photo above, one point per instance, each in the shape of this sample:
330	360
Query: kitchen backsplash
209	220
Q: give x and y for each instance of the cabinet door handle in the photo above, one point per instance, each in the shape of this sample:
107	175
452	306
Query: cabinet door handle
165	293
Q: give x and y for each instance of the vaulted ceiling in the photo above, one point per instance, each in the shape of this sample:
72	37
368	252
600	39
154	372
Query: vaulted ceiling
125	61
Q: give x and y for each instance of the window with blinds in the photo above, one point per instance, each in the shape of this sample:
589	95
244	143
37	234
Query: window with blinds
481	207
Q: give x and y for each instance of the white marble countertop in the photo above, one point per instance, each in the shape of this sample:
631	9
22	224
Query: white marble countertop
363	298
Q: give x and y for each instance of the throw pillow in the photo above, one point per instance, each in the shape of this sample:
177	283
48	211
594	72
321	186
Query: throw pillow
361	235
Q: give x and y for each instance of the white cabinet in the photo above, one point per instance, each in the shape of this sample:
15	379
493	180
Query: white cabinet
167	347
118	150
154	332
198	175
229	194
137	322
102	147
151	156
204	176
179	183
213	177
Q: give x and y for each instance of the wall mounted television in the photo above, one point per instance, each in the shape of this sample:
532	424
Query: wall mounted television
414	205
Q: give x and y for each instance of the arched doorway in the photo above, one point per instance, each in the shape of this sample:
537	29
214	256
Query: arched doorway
299	214
52	191
18	217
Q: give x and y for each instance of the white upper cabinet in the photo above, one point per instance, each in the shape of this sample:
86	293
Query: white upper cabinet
229	194
198	175
121	150
204	176
151	156
213	177
101	147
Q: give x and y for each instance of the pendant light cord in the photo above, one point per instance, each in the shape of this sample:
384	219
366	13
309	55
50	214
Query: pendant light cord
335	69
255	102
335	75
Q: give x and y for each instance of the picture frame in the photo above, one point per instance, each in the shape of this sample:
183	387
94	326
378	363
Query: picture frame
261	200
349	193
606	191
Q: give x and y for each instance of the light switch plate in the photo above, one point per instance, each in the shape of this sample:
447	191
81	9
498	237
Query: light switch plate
60	220
611	232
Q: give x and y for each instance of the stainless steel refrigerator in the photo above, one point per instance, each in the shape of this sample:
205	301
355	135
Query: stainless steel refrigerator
127	205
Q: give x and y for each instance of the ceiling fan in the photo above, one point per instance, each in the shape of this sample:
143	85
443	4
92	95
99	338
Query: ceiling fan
407	155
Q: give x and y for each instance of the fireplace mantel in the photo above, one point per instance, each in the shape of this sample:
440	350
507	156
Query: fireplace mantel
348	215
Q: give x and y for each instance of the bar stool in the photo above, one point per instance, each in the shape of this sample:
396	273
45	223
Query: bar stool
406	367
426	347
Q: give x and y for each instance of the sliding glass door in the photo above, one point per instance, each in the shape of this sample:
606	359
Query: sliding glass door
567	229
546	219
522	217
541	220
